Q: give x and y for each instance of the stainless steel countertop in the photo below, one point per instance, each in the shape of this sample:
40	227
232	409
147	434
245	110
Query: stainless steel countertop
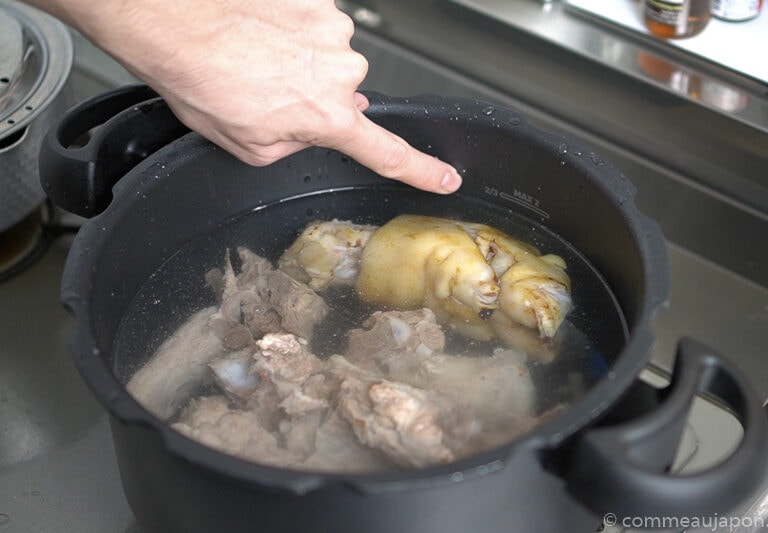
57	465
712	84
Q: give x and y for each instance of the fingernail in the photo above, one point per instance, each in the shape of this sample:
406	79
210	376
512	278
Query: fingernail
451	181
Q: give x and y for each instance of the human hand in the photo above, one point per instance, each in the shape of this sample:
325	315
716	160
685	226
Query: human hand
260	78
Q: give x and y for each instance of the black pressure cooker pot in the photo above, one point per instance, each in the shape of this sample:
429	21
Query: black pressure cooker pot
152	188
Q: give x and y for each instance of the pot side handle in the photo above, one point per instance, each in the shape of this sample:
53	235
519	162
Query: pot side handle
616	469
125	126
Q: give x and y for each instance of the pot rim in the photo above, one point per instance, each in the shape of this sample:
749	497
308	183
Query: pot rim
124	409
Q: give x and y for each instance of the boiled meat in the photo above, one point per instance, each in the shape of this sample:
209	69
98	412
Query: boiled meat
212	421
395	398
326	253
416	261
413	427
260	300
178	367
408	347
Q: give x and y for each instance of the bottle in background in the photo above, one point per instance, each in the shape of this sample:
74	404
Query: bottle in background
676	19
736	10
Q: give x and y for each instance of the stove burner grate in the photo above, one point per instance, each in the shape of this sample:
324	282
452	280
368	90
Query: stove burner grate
22	245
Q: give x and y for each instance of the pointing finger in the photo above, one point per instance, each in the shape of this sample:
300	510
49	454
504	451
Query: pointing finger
392	157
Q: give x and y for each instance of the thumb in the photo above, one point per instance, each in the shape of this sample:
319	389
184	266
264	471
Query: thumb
392	157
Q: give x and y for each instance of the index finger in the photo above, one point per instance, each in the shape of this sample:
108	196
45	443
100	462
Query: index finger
392	157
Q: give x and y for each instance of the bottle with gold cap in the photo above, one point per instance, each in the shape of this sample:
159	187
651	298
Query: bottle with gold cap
676	19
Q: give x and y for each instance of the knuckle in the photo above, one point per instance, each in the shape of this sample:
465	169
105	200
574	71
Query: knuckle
260	156
272	153
359	65
342	123
395	159
346	26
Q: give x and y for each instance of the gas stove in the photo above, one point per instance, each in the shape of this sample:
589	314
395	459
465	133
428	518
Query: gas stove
57	465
